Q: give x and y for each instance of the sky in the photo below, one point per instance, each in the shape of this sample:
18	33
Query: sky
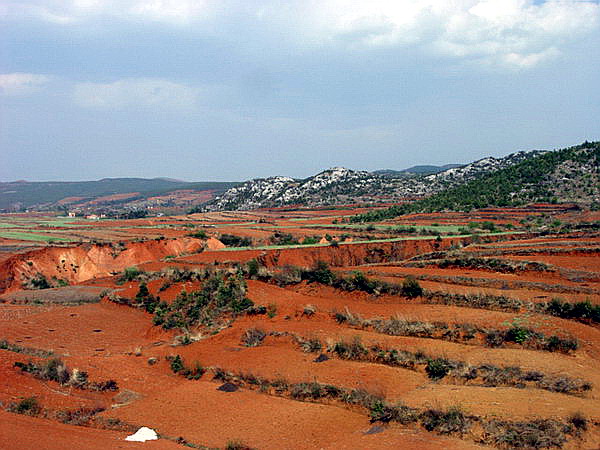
229	90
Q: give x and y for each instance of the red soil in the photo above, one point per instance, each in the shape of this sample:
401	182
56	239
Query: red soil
111	341
26	433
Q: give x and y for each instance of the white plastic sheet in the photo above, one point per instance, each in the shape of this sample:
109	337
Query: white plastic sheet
142	435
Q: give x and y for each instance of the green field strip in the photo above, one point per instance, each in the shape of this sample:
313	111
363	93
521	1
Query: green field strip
31	237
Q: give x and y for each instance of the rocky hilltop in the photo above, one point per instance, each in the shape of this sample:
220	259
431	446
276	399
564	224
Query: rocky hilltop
339	185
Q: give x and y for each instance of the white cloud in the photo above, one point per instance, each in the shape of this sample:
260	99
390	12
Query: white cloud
513	33
136	92
75	11
19	83
506	33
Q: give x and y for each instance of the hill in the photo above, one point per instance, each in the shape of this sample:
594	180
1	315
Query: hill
339	185
416	170
567	175
48	195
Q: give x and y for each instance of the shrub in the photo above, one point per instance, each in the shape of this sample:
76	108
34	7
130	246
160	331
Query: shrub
253	337
319	273
579	310
311	345
309	310
79	416
381	411
177	364
39	282
310	240
437	368
518	334
146	300
271	310
200	234
302	391
287	275
253	267
231	240
494	338
28	406
237	445
131	274
578	420
411	288
540	433
353	350
220	294
283	239
564	345
56	370
445	422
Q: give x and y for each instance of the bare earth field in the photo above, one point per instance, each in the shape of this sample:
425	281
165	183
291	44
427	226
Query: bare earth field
296	329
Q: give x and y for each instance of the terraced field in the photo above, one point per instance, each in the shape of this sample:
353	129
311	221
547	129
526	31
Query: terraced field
474	336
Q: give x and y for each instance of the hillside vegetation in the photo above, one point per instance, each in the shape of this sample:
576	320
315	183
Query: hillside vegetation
567	175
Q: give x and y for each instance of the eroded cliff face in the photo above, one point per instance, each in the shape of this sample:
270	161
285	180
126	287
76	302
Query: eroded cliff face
362	253
351	254
86	261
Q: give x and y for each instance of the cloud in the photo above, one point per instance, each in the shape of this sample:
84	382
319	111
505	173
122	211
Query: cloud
516	34
65	12
135	92
510	33
19	83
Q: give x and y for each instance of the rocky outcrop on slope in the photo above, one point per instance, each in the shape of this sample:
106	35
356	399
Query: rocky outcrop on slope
339	185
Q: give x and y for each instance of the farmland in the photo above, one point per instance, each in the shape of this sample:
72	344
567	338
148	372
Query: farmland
296	328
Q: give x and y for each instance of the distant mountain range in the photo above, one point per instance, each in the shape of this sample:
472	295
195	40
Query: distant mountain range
416	170
115	192
563	175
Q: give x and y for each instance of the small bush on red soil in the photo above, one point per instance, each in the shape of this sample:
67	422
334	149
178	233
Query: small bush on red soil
252	267
411	288
56	370
200	234
353	350
283	239
221	293
271	310
311	345
177	364
309	310
381	411
79	417
437	368
583	311
191	373
28	406
144	299
5	345
319	273
231	240
446	422
38	282
578	420
541	433
131	274
237	445
253	337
